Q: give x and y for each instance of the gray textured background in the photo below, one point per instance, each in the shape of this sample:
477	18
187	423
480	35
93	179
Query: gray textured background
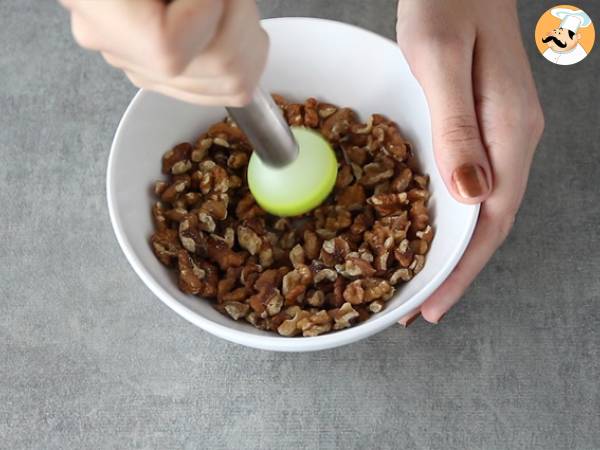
90	359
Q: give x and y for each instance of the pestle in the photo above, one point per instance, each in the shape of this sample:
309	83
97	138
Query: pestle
292	169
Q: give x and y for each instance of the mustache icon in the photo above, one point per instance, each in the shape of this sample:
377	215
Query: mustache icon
555	40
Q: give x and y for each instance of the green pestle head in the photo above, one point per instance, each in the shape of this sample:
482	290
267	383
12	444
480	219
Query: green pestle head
301	185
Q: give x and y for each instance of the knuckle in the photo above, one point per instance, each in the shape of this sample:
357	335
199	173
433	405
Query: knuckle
109	59
536	121
81	36
69	4
524	113
506	224
460	130
236	84
168	64
435	49
167	59
240	99
448	40
503	221
224	63
136	81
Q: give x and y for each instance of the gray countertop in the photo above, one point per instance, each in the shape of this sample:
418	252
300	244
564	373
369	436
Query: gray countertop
90	359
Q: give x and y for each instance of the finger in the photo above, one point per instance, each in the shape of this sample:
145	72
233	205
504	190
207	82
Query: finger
488	235
83	33
226	85
209	100
151	32
240	45
191	25
444	72
122	27
409	318
511	151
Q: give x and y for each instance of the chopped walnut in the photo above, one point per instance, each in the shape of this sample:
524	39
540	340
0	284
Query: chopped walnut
176	214
181	167
279	100
226	134
419	246
418	263
312	244
326	270
352	198
354	153
250	273
311	116
334	251
401	182
160	187
315	298
422	181
274	302
201	149
332	218
295	284
403	254
297	255
336	297
355	267
374	173
418	194
354	293
191	236
249	240
216	206
158	215
218	251
419	216
315	324
266	255
376	288
376	306
386	204
237	160
175	189
293	114
290	327
345	176
343	316
401	275
247	208
179	153
426	234
337	125
325	110
288	240
190	275
325	274
236	310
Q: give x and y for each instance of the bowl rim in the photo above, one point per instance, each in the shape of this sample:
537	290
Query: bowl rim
275	343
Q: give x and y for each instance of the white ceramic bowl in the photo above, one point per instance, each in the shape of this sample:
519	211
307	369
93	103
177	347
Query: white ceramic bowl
329	60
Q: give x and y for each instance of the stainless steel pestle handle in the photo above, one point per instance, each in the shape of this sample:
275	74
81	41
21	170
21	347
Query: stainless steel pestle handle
261	120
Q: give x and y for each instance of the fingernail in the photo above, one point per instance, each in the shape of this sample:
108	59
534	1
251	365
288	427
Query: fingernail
470	181
411	319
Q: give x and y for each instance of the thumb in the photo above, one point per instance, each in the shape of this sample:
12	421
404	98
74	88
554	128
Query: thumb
444	72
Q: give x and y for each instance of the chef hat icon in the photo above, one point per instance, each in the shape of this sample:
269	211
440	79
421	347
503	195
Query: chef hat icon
570	19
